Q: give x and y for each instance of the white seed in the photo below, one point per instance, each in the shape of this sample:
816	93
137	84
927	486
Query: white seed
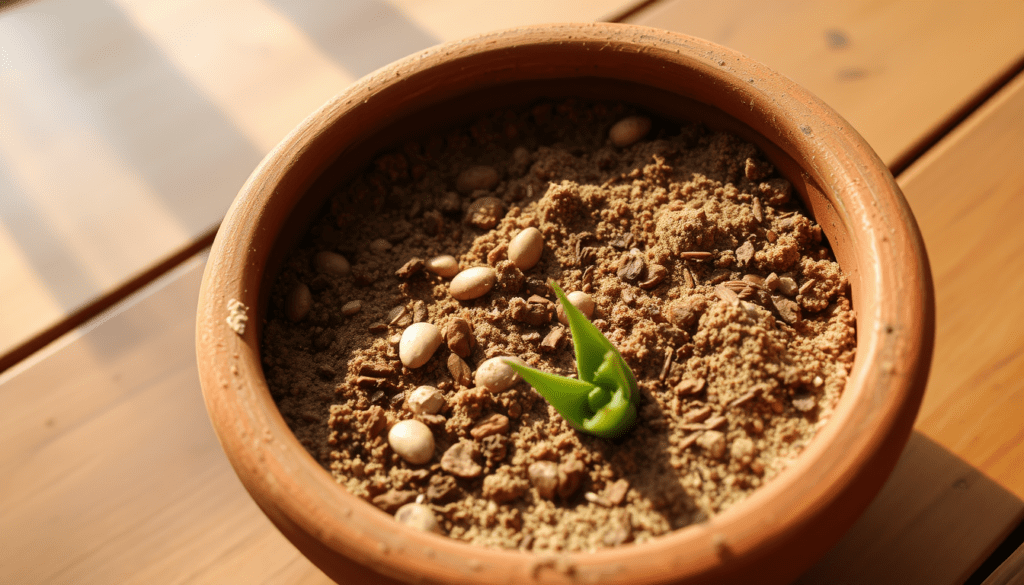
472	283
495	375
412	440
419	342
525	249
298	303
629	130
418	516
379	246
327	262
579	299
351	308
445	266
425	400
476	178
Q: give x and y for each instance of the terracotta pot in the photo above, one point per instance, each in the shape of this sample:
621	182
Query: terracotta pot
772	536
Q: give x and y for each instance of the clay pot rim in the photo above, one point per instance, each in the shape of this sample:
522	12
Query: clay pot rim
895	341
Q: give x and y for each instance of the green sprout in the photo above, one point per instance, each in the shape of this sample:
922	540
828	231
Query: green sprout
602	401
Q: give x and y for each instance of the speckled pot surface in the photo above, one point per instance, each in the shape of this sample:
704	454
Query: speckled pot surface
772	536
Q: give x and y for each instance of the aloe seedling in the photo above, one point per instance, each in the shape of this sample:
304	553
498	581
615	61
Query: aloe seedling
602	401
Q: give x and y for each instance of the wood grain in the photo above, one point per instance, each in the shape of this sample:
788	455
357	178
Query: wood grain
110	470
128	126
894	70
1010	572
959	488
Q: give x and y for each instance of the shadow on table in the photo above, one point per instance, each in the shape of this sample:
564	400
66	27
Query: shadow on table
935	520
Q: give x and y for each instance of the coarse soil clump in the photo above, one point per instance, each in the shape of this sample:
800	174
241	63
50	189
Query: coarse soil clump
706	273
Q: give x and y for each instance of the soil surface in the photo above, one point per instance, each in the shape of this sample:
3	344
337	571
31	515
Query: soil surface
706	273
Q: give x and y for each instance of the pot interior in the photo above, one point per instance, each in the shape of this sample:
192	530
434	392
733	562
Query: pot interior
390	133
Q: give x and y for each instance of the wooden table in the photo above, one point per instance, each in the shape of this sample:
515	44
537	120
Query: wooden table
126	127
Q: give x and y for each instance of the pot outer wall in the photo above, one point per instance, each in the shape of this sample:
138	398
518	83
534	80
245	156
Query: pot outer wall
772	536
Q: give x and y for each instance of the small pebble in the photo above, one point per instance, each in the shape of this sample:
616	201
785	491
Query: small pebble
425	400
327	262
298	303
412	440
579	299
351	308
629	130
787	286
525	248
418	344
458	334
445	266
473	283
480	177
461	459
544	477
379	246
495	375
418	516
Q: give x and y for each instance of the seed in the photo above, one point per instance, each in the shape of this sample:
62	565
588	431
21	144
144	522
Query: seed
580	300
418	344
480	177
412	440
425	400
485	212
525	249
418	516
328	262
629	130
351	308
379	246
298	303
444	266
472	283
495	375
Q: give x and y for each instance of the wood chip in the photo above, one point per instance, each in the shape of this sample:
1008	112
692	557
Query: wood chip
460	371
807	286
755	208
715	422
689	386
695	255
655	274
410	268
727	294
688	278
553	340
667	365
690	439
631	267
788	310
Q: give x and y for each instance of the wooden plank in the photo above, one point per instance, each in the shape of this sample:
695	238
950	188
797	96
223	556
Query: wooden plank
895	70
1010	572
959	489
110	470
127	126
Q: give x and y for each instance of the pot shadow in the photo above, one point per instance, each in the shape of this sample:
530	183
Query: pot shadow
934	521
